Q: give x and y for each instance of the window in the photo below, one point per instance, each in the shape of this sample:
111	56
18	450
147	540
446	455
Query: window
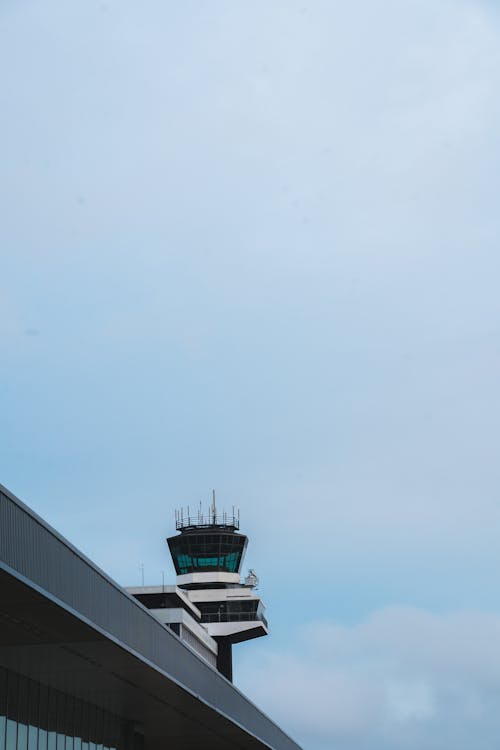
35	717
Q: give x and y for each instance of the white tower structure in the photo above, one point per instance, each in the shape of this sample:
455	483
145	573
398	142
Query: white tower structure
214	607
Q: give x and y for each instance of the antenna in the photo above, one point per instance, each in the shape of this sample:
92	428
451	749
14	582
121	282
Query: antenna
184	520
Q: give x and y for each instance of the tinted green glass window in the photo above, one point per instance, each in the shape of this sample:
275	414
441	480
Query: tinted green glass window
231	561
208	562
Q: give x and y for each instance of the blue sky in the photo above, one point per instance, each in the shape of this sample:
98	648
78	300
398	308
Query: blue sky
254	246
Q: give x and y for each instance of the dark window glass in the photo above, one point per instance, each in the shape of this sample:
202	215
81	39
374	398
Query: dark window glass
43	709
32	718
69	723
3	692
61	721
3	707
52	720
12	712
22	727
78	725
91	726
99	729
85	725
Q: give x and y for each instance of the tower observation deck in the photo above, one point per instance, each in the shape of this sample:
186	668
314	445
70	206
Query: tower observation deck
208	544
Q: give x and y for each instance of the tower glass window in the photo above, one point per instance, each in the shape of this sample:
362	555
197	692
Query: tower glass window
199	552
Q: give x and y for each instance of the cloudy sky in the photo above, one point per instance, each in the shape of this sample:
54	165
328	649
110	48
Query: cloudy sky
254	246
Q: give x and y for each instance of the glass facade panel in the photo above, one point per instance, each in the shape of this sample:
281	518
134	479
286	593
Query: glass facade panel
69	723
32	738
43	707
36	717
22	713
22	737
11	735
3	707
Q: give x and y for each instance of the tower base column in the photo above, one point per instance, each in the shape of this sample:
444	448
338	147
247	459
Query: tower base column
225	657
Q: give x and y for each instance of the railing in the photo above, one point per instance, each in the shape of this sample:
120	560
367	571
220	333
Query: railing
199	520
233	617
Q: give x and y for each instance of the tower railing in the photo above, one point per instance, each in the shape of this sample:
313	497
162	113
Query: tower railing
186	519
211	617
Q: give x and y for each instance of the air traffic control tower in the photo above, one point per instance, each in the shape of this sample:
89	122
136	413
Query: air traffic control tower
215	607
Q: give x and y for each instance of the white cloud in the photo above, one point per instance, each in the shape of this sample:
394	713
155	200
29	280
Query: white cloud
403	678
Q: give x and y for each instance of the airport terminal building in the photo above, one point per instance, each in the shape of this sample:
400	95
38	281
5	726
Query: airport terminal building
88	665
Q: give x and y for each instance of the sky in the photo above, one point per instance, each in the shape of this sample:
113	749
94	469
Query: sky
254	247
